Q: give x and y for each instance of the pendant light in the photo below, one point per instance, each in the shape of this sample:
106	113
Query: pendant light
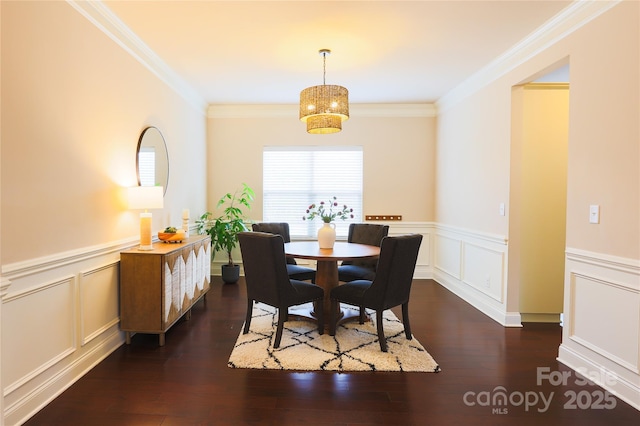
324	107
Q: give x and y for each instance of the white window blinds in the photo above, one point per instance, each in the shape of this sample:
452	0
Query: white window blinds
147	166
296	177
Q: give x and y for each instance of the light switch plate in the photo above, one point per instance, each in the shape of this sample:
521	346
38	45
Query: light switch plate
501	209
594	213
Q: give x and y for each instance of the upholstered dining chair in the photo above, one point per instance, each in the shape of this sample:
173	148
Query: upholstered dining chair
362	269
294	270
267	280
390	287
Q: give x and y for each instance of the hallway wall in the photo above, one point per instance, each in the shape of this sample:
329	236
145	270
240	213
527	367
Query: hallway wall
601	292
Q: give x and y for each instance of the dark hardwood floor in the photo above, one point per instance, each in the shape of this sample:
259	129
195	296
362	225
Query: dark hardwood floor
187	381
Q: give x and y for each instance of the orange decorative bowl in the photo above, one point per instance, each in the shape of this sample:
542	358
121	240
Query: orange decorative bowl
175	237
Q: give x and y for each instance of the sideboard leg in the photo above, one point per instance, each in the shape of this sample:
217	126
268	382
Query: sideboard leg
161	339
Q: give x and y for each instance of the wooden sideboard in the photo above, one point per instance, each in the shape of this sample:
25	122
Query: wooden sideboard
159	286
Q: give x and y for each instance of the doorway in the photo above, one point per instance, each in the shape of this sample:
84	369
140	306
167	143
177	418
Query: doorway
538	194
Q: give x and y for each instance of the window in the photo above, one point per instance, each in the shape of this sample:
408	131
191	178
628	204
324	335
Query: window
296	177
147	166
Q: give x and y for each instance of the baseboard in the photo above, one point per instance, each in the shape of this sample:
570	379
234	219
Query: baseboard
475	299
26	407
601	333
547	318
620	387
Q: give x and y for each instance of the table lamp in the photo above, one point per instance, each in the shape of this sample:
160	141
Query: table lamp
145	197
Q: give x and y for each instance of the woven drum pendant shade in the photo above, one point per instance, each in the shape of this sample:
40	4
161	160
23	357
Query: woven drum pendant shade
323	124
324	107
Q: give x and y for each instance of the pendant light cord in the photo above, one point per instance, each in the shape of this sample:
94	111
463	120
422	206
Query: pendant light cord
324	68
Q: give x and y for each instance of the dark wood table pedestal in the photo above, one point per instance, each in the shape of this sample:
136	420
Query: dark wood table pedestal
327	270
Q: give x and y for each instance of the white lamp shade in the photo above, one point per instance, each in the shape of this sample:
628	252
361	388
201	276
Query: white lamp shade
145	197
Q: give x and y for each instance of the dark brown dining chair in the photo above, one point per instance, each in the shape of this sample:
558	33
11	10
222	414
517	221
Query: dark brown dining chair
294	270
265	274
390	287
362	269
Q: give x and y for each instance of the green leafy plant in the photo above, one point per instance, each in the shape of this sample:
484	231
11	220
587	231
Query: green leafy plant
329	211
225	228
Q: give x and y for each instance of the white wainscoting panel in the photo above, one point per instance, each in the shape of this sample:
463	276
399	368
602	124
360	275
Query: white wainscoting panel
483	269
59	319
424	265
601	333
99	301
38	330
448	255
473	265
617	306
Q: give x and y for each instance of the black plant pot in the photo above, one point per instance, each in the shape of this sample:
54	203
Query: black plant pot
230	274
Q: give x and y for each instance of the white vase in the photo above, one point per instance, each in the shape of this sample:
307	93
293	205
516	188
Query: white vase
327	236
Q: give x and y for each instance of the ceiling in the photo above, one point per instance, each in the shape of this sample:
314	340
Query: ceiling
265	52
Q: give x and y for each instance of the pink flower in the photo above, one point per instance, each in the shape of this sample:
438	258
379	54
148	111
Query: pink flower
331	214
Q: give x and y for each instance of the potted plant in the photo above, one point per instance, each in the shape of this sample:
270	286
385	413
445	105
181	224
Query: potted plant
224	229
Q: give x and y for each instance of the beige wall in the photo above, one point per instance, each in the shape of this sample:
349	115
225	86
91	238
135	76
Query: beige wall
601	296
604	134
398	152
74	104
473	159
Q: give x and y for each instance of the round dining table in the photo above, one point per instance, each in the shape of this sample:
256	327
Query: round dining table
327	264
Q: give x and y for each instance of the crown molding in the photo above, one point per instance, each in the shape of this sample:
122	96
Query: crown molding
394	110
106	21
292	110
570	19
579	13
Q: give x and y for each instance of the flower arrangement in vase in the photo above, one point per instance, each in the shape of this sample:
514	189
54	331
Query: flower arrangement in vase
328	212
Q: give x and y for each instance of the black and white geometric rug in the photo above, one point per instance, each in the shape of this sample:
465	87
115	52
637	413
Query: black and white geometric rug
355	346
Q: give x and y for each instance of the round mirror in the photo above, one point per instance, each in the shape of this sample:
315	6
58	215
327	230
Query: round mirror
152	159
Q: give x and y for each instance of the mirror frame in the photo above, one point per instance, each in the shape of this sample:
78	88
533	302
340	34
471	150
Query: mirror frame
161	150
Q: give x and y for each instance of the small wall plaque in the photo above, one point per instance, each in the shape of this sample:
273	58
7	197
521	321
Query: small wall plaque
383	217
